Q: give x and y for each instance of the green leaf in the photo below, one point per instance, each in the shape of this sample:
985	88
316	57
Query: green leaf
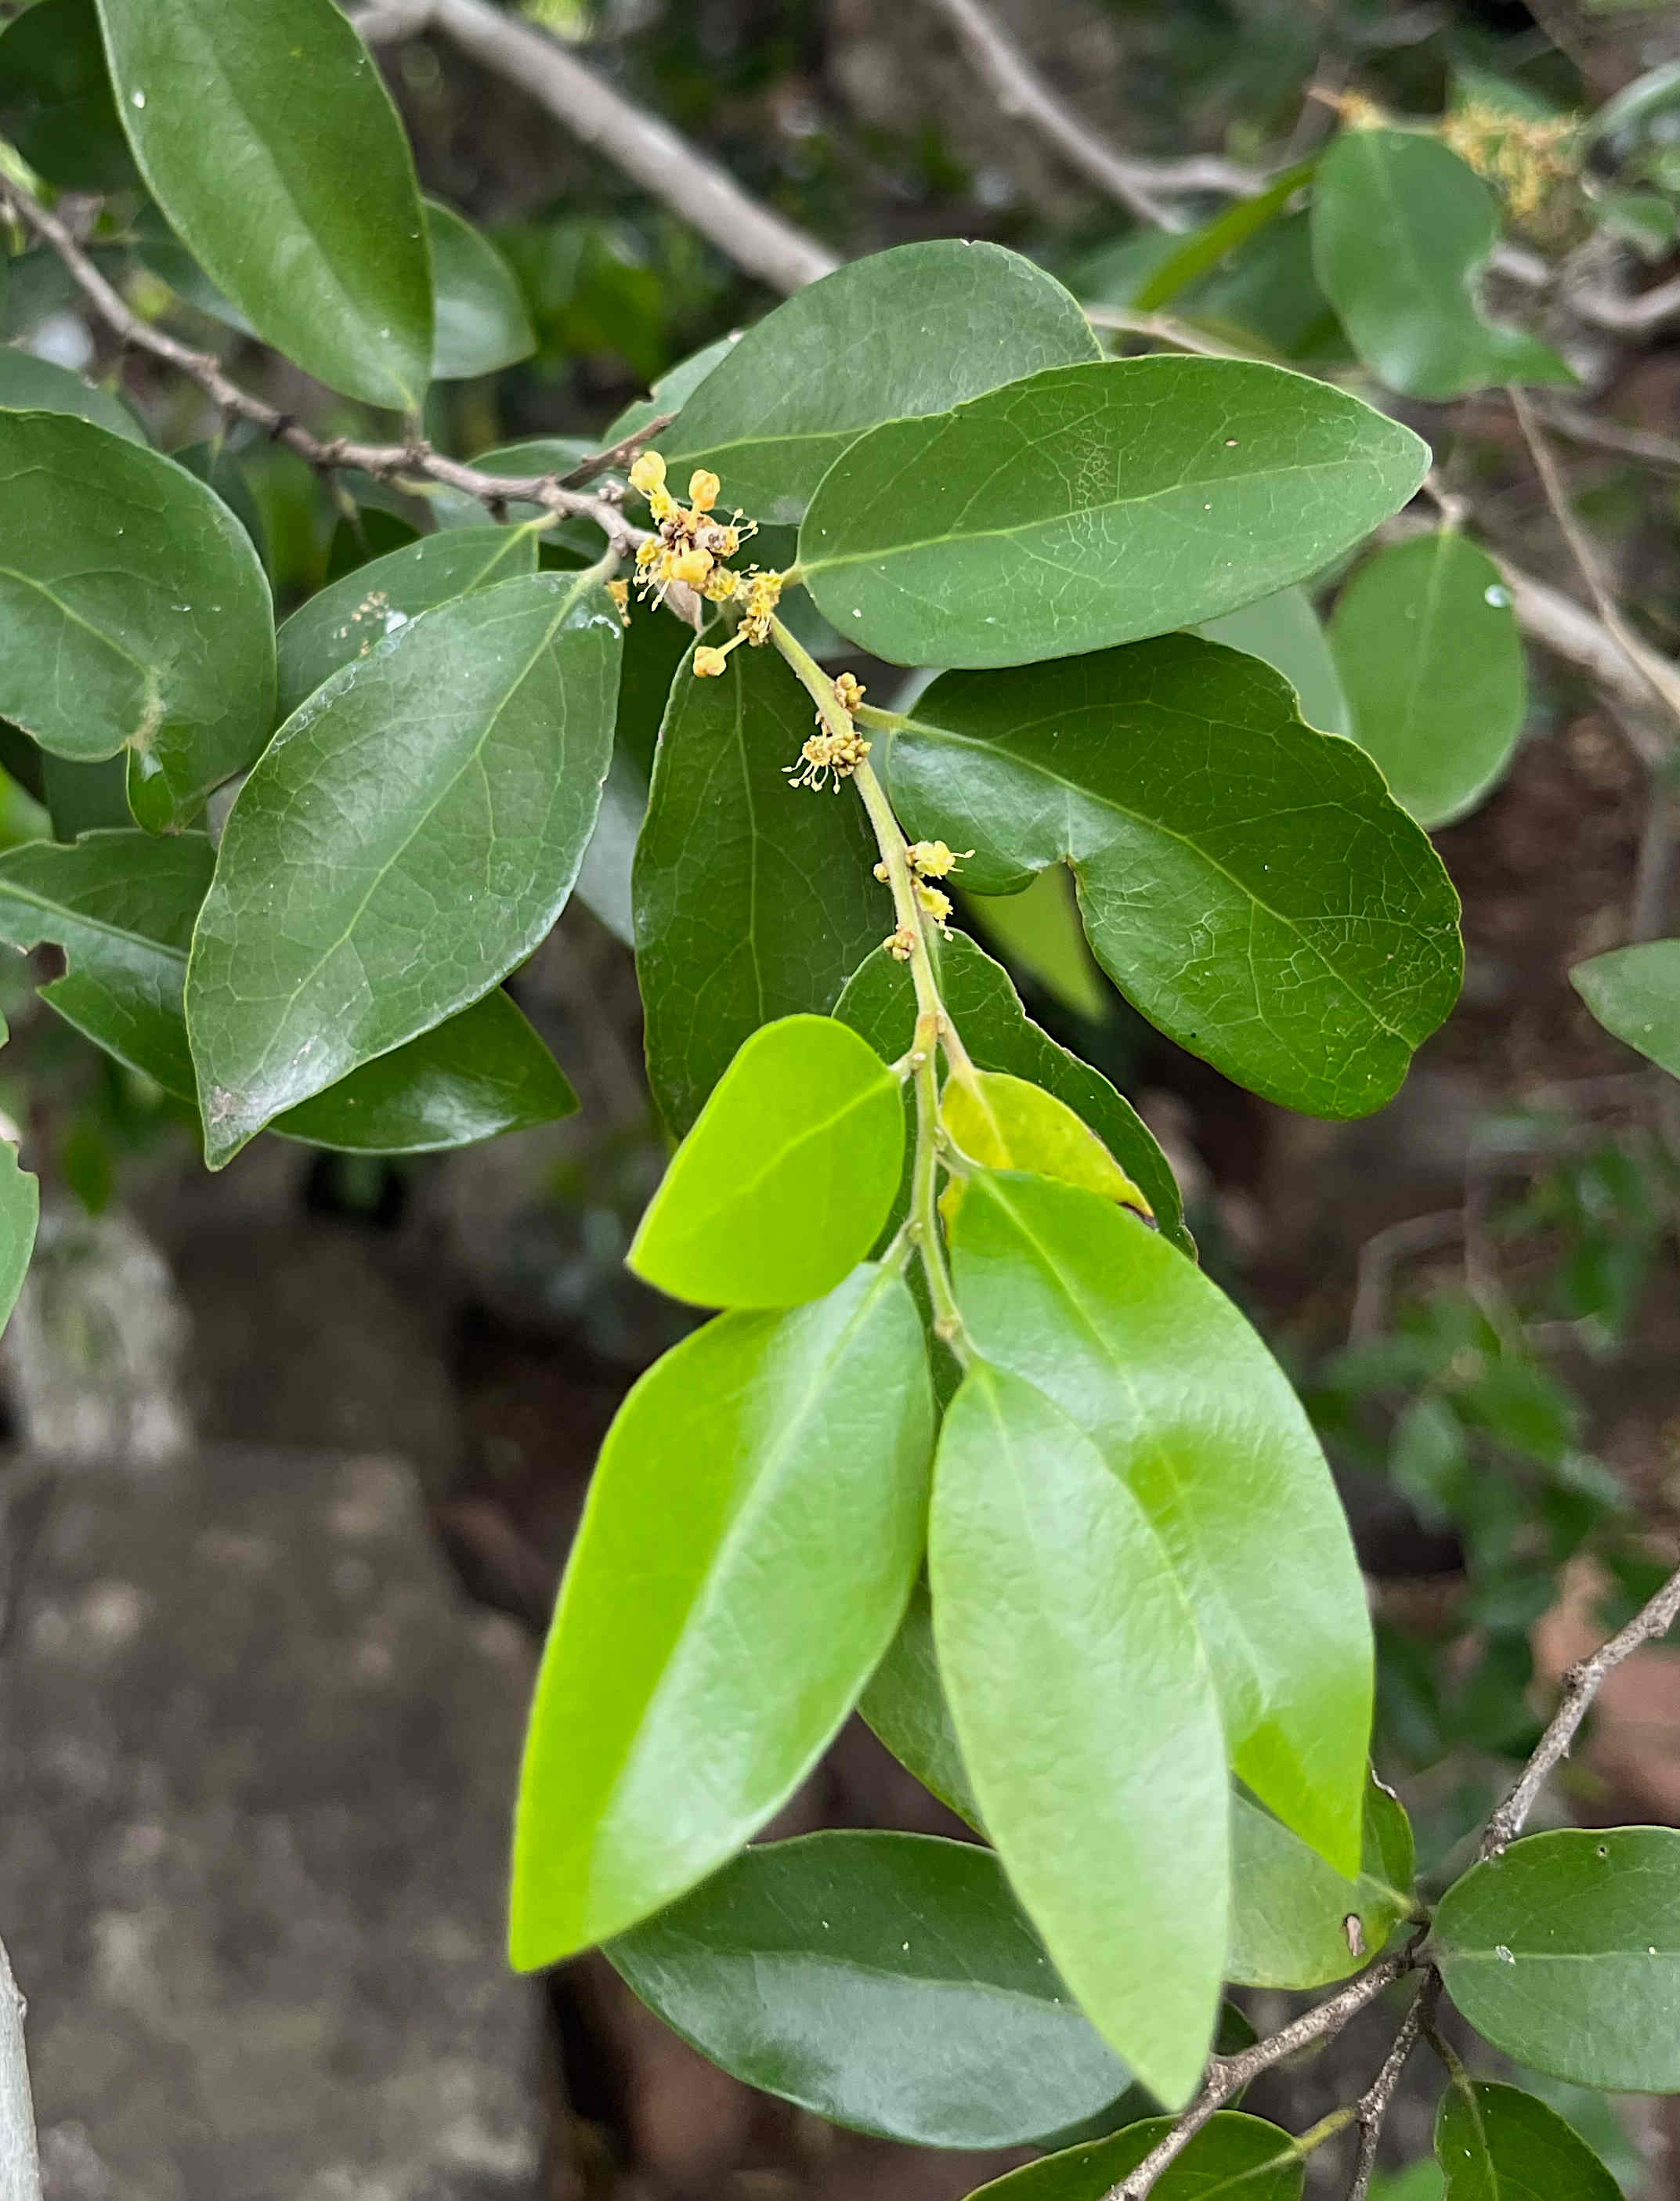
887	1981
787	1177
349	619
85	798
1007	1123
405	841
1564	1953
133	613
1201	252
1092	505
1427	650
879	1001
754	899
1191	1411
121	906
1233	2156
56	100
20	1213
1038	931
673	390
1634	992
267	137
752	1532
1400	230
1283	631
904	1707
1289	1911
1247	882
28	384
481	321
1498	2143
1057	1616
903	333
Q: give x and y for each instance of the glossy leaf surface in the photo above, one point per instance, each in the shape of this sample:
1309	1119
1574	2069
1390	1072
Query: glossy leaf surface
1289	1912
786	1179
1249	882
133	612
349	619
1401	229
1498	2143
1564	1952
1432	663
315	231
906	332
406	840
1234	2157
28	384
57	104
1057	1614
20	1213
1189	1409
904	1706
887	1981
1007	1123
481	321
1634	992
752	1532
880	1002
1283	632
1038	932
1093	505
754	899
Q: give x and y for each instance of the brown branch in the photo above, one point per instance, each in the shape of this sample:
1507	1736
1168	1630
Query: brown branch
616	456
1372	2110
390	462
647	149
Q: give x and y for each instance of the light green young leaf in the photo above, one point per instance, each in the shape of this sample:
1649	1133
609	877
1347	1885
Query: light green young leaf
121	906
1093	505
405	840
134	614
57	104
267	137
752	1532
481	321
1498	2143
1247	882
349	619
887	1981
904	1706
1038	931
879	1001
754	899
1296	1923
1634	992
1283	631
1009	1123
904	333
1427	650
1191	1413
1233	2157
1057	1616
20	1213
28	384
1400	230
786	1179
1564	1953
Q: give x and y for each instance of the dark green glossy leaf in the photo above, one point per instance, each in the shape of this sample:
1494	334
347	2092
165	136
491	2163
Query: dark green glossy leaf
133	613
361	536
752	1532
1038	932
267	137
1564	1952
754	899
1283	631
85	798
1634	992
672	390
879	1001
405	841
482	323
1498	2143
1093	505
1233	2157
887	1981
786	1179
905	1706
349	619
1188	1408
1290	1914
56	100
1401	229
1249	882
1057	1615
1199	253
1427	646
903	333
28	384
122	906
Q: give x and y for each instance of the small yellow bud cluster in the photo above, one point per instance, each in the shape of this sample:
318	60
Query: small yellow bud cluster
827	759
1527	159
901	945
690	545
849	691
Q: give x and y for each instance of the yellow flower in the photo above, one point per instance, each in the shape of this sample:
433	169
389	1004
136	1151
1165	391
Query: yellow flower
849	691
720	586
901	945
709	663
647	474
704	488
933	859
938	905
620	592
691	567
826	757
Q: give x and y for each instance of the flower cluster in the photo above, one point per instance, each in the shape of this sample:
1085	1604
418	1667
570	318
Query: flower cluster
928	859
1528	160
692	548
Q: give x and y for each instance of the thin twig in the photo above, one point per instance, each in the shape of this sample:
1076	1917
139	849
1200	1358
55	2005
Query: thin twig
1372	2111
1381	1253
1576	426
1164	328
389	462
20	2169
616	455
